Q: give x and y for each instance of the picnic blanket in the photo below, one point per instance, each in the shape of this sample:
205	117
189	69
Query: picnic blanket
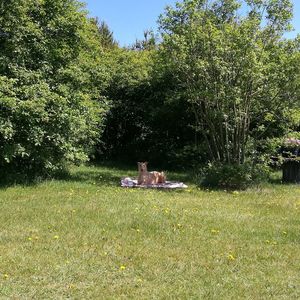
132	183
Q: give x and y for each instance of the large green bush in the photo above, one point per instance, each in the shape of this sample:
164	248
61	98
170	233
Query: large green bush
231	176
51	79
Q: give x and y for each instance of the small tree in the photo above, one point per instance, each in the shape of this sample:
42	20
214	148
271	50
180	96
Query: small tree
233	69
106	35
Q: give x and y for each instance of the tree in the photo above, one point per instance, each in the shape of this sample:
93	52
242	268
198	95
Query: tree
140	123
51	81
106	35
149	42
127	122
233	70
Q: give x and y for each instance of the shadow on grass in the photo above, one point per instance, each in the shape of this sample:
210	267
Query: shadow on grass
102	174
12	180
105	174
110	175
97	177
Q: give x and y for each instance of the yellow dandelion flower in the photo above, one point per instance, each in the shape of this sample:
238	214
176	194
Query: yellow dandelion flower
122	268
231	257
30	239
56	237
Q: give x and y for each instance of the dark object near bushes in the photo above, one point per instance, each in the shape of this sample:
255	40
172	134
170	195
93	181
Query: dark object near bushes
291	171
234	176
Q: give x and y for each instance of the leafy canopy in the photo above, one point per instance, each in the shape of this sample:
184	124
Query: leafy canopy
232	69
51	81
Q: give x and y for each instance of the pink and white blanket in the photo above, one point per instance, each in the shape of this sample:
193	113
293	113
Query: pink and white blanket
132	183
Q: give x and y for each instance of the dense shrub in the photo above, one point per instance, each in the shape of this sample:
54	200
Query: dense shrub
51	79
234	176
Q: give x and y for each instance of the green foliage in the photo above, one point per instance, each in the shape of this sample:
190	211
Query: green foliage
215	89
126	123
234	176
51	80
149	42
106	35
145	121
218	87
233	71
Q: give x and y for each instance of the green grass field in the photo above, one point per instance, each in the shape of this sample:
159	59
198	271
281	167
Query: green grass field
84	237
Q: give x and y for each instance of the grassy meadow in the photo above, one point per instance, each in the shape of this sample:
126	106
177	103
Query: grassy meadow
84	237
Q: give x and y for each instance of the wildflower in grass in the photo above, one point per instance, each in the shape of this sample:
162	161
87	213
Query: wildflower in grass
5	276
122	268
215	231
56	237
284	232
138	230
30	239
267	241
71	286
167	211
231	257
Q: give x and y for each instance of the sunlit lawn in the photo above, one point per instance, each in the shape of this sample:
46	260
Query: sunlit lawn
84	237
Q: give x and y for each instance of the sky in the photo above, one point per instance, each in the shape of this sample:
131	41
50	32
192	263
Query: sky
129	18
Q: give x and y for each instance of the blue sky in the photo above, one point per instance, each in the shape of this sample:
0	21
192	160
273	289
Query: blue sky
129	18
